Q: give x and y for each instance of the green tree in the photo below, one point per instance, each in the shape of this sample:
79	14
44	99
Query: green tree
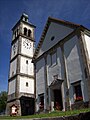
3	100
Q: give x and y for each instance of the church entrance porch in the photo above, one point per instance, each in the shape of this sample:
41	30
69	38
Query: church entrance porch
27	105
56	95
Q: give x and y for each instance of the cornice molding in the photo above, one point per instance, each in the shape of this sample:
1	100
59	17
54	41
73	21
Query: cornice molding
21	55
20	74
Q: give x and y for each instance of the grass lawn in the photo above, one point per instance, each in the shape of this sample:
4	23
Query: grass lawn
52	114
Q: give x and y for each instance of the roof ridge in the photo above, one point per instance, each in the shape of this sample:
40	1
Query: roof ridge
63	21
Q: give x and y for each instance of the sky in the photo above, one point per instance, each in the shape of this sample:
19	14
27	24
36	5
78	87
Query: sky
77	11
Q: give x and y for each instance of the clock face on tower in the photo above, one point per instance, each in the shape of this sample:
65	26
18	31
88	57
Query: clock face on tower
14	49
27	44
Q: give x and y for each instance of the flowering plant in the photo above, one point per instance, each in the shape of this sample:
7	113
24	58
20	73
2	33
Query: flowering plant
79	98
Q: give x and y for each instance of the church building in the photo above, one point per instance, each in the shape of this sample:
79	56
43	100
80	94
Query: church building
21	96
62	67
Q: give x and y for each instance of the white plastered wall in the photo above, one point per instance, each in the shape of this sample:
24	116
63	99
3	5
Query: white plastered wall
87	48
12	86
75	67
40	80
16	49
87	41
26	89
58	32
26	68
13	66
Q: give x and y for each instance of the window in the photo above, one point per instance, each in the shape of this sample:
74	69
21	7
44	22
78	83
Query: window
25	31
52	38
26	61
29	33
77	92
26	84
26	19
53	58
41	101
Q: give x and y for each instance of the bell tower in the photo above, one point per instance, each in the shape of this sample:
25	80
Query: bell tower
21	73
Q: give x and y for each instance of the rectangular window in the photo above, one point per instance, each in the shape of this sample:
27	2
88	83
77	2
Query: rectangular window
53	58
41	102
26	61
77	92
26	84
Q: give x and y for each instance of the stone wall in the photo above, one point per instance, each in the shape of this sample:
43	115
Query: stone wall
81	116
80	105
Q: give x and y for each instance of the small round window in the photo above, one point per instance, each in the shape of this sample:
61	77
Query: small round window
52	38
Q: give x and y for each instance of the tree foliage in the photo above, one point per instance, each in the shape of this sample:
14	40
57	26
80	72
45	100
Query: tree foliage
3	100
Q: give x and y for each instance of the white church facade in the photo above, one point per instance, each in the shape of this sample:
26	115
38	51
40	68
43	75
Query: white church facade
62	67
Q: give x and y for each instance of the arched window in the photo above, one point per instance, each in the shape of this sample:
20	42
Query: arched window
25	31
29	33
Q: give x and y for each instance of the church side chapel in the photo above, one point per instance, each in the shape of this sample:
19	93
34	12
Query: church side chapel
21	96
62	67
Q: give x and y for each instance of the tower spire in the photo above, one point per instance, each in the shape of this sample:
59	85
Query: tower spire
24	17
